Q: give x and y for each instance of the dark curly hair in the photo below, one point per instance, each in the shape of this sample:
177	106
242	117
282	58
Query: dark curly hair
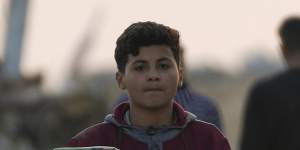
145	34
289	33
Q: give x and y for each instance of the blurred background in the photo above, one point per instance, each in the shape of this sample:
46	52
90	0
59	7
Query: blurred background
57	70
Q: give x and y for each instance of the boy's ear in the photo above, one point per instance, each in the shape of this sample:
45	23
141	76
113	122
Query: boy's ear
180	77
119	78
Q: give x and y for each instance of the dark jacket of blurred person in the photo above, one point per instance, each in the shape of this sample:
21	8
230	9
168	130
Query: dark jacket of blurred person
272	119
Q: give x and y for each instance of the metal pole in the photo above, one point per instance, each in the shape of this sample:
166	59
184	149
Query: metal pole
14	39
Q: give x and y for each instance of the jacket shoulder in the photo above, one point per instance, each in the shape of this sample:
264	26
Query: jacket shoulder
102	134
205	127
208	134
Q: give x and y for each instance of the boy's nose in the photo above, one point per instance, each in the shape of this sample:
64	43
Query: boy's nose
153	76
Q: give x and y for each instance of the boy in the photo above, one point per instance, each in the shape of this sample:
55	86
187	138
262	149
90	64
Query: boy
148	60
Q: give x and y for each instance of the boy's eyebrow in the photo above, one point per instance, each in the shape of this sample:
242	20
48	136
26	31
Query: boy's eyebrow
159	60
139	61
164	59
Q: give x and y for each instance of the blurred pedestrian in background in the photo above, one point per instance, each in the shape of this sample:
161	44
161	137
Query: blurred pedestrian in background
272	112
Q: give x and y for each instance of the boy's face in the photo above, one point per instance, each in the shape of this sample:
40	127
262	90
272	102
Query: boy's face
151	78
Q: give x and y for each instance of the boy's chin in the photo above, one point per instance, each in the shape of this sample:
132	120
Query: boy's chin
156	105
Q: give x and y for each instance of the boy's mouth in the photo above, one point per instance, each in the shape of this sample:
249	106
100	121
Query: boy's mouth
153	89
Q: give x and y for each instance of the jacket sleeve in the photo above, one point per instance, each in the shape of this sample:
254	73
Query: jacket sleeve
102	134
222	143
72	143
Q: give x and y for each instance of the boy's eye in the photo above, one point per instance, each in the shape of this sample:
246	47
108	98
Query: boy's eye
139	68
164	66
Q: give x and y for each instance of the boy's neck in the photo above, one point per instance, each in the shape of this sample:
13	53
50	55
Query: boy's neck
145	118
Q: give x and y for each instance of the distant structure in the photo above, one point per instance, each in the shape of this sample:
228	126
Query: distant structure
14	38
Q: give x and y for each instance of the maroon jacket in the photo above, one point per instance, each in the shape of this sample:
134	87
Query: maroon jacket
186	134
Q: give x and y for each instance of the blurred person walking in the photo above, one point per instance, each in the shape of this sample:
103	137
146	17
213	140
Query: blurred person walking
272	112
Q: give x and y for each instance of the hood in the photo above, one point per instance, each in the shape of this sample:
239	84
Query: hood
153	136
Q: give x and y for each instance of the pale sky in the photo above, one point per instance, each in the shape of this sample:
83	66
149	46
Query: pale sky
214	32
